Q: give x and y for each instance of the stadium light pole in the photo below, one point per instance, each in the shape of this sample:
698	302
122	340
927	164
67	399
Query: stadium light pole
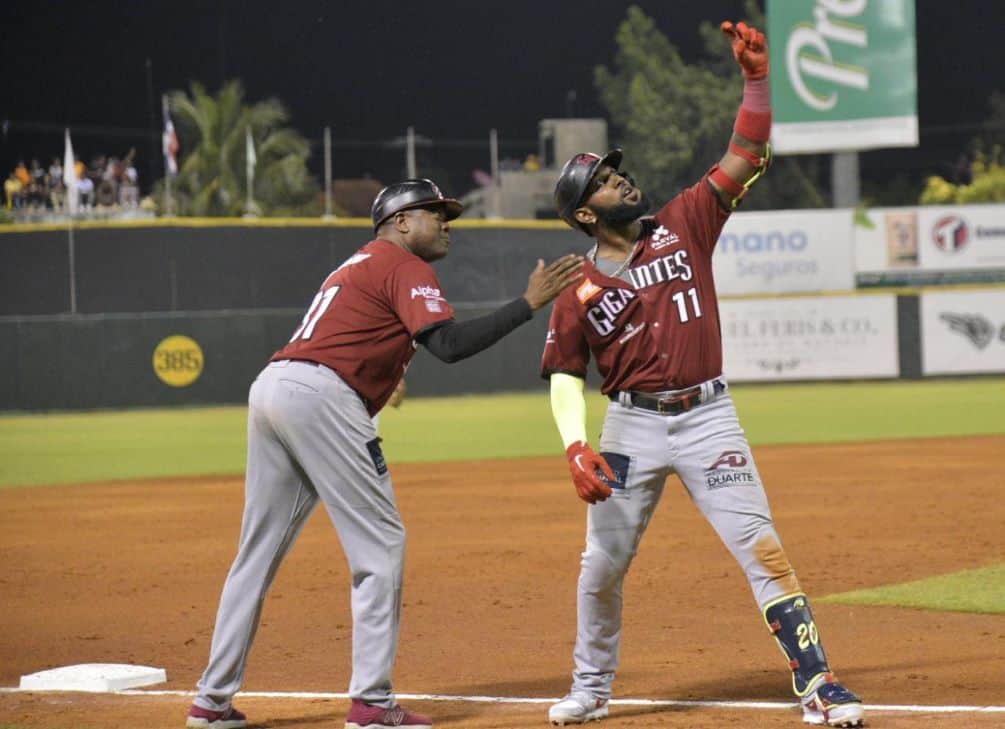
410	153
152	160
328	172
494	168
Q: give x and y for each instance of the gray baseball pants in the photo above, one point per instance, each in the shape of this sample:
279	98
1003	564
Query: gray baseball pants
309	439
707	449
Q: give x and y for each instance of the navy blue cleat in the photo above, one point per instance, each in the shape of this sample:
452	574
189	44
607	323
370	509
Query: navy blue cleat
831	704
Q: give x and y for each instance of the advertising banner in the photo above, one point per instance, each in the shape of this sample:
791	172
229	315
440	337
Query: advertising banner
785	251
962	332
843	74
885	239
810	338
964	236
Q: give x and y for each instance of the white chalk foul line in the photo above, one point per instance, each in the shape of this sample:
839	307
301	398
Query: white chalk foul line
668	703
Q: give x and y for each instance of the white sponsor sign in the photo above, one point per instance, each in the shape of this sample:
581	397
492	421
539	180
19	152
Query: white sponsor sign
885	239
965	236
962	332
785	251
813	338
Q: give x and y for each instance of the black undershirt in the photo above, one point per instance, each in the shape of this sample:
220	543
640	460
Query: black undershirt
453	341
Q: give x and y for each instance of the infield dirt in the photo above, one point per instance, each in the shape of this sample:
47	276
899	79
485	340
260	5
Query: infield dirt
130	572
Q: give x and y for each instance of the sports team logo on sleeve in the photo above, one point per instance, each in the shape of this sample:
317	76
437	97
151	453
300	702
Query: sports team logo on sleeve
431	296
587	290
426	292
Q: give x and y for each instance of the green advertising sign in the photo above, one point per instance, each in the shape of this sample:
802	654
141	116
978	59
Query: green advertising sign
843	74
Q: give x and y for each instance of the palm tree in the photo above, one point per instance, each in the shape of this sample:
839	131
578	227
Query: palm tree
212	174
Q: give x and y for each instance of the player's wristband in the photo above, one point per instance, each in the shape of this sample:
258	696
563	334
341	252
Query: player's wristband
753	125
753	121
727	184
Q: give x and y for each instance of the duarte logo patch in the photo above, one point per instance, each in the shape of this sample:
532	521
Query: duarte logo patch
729	459
729	469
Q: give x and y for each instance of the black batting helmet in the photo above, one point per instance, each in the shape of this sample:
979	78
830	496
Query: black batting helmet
575	178
416	193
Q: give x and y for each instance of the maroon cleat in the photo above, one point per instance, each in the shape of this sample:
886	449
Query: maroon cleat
366	716
200	718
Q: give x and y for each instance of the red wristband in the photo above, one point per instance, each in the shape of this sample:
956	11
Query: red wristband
726	183
756	94
753	125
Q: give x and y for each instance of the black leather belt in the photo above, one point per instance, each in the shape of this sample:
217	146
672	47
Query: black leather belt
675	404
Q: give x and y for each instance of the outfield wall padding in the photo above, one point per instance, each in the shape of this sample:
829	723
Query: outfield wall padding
107	361
155	269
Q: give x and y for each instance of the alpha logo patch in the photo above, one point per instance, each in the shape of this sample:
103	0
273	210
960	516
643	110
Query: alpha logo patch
428	292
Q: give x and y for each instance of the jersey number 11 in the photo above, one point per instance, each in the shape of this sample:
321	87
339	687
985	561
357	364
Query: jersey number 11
682	311
314	313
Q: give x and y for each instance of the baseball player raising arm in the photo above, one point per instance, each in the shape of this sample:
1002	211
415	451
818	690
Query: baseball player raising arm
646	310
312	438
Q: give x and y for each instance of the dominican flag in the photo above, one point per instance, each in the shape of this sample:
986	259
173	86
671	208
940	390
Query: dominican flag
169	141
249	154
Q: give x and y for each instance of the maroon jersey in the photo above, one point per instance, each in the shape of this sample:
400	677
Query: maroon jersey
661	331
365	318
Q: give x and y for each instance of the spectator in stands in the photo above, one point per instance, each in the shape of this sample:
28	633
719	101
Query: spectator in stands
85	190
12	188
23	176
55	172
57	193
129	190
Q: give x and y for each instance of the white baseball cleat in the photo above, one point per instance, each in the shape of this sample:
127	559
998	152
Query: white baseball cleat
831	704
577	708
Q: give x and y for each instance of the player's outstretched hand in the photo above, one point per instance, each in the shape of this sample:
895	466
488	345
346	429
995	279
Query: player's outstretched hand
547	282
749	48
584	464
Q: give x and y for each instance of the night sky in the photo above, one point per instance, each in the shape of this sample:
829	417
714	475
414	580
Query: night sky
369	69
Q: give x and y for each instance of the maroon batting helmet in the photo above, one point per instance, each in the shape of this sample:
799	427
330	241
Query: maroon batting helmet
575	179
414	193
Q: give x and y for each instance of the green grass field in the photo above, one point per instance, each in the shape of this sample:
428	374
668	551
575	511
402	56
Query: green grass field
79	447
971	591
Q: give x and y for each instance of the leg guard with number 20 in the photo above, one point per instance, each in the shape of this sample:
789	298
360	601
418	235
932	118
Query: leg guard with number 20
791	621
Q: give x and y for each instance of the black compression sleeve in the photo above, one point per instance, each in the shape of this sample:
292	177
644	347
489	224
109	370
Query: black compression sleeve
454	341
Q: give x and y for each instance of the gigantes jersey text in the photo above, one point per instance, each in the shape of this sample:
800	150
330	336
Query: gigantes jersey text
660	329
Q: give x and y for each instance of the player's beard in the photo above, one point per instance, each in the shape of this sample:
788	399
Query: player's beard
625	212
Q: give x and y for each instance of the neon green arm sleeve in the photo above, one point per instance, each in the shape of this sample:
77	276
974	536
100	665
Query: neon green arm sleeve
568	407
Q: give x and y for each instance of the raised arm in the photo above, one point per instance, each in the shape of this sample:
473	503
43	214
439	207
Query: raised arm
748	154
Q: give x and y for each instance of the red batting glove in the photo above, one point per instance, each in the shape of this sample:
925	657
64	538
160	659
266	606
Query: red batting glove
584	463
749	48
